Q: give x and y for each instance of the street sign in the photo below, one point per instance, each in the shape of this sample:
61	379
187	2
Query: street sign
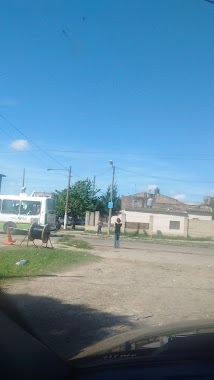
110	204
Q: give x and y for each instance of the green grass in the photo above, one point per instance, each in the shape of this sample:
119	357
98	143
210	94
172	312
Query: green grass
67	240
134	234
91	232
157	237
178	237
137	234
42	261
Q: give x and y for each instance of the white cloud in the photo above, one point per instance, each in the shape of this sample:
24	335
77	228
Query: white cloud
20	145
180	197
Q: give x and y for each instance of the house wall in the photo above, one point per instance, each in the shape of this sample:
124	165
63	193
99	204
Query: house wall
201	217
162	223
163	199
133	202
139	201
201	228
137	217
131	220
114	218
92	218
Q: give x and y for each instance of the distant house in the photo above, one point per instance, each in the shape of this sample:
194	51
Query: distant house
158	202
142	201
157	213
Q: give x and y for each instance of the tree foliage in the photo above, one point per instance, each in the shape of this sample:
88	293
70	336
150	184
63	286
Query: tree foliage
105	198
83	197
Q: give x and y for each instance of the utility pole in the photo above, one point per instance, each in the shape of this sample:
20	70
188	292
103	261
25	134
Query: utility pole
23	178
94	184
111	197
1	176
67	197
23	181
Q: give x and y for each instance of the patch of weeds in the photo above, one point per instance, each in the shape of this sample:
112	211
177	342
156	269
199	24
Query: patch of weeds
82	244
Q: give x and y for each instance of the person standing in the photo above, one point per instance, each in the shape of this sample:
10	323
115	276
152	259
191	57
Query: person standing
117	228
99	230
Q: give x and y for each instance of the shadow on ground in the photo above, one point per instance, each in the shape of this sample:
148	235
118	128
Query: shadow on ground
67	328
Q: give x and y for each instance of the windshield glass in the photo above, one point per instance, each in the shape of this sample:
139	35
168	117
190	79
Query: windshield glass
106	119
51	204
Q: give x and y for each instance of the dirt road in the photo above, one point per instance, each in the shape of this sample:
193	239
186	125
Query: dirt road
138	285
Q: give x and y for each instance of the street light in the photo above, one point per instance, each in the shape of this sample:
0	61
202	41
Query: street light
67	195
111	197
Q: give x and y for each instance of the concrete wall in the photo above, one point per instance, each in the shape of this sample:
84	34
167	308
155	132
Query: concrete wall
92	218
201	217
162	222
129	201
137	226
114	218
201	228
137	217
157	222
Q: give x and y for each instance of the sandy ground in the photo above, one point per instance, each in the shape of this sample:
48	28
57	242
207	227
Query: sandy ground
141	284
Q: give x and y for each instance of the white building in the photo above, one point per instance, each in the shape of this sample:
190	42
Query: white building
162	222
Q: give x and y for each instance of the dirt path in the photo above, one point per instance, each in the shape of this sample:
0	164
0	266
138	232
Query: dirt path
127	289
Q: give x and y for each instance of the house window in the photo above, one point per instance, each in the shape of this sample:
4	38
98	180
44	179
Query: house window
137	203
174	225
144	226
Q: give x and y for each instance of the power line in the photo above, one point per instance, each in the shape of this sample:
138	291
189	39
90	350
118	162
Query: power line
166	156
174	156
76	175
210	1
101	174
163	178
42	150
22	147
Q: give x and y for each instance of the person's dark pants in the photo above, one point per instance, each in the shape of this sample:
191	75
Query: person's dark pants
99	230
116	240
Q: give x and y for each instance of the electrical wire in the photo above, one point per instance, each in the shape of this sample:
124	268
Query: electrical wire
210	1
163	178
32	142
101	174
22	147
178	156
27	150
169	156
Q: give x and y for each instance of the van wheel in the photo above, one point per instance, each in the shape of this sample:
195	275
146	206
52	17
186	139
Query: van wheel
8	225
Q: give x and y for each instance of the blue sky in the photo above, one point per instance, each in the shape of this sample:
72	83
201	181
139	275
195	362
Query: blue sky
89	81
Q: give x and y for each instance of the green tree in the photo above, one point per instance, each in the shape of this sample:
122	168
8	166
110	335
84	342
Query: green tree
82	198
103	200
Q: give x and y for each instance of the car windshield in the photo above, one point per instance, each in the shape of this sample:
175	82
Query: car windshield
106	137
